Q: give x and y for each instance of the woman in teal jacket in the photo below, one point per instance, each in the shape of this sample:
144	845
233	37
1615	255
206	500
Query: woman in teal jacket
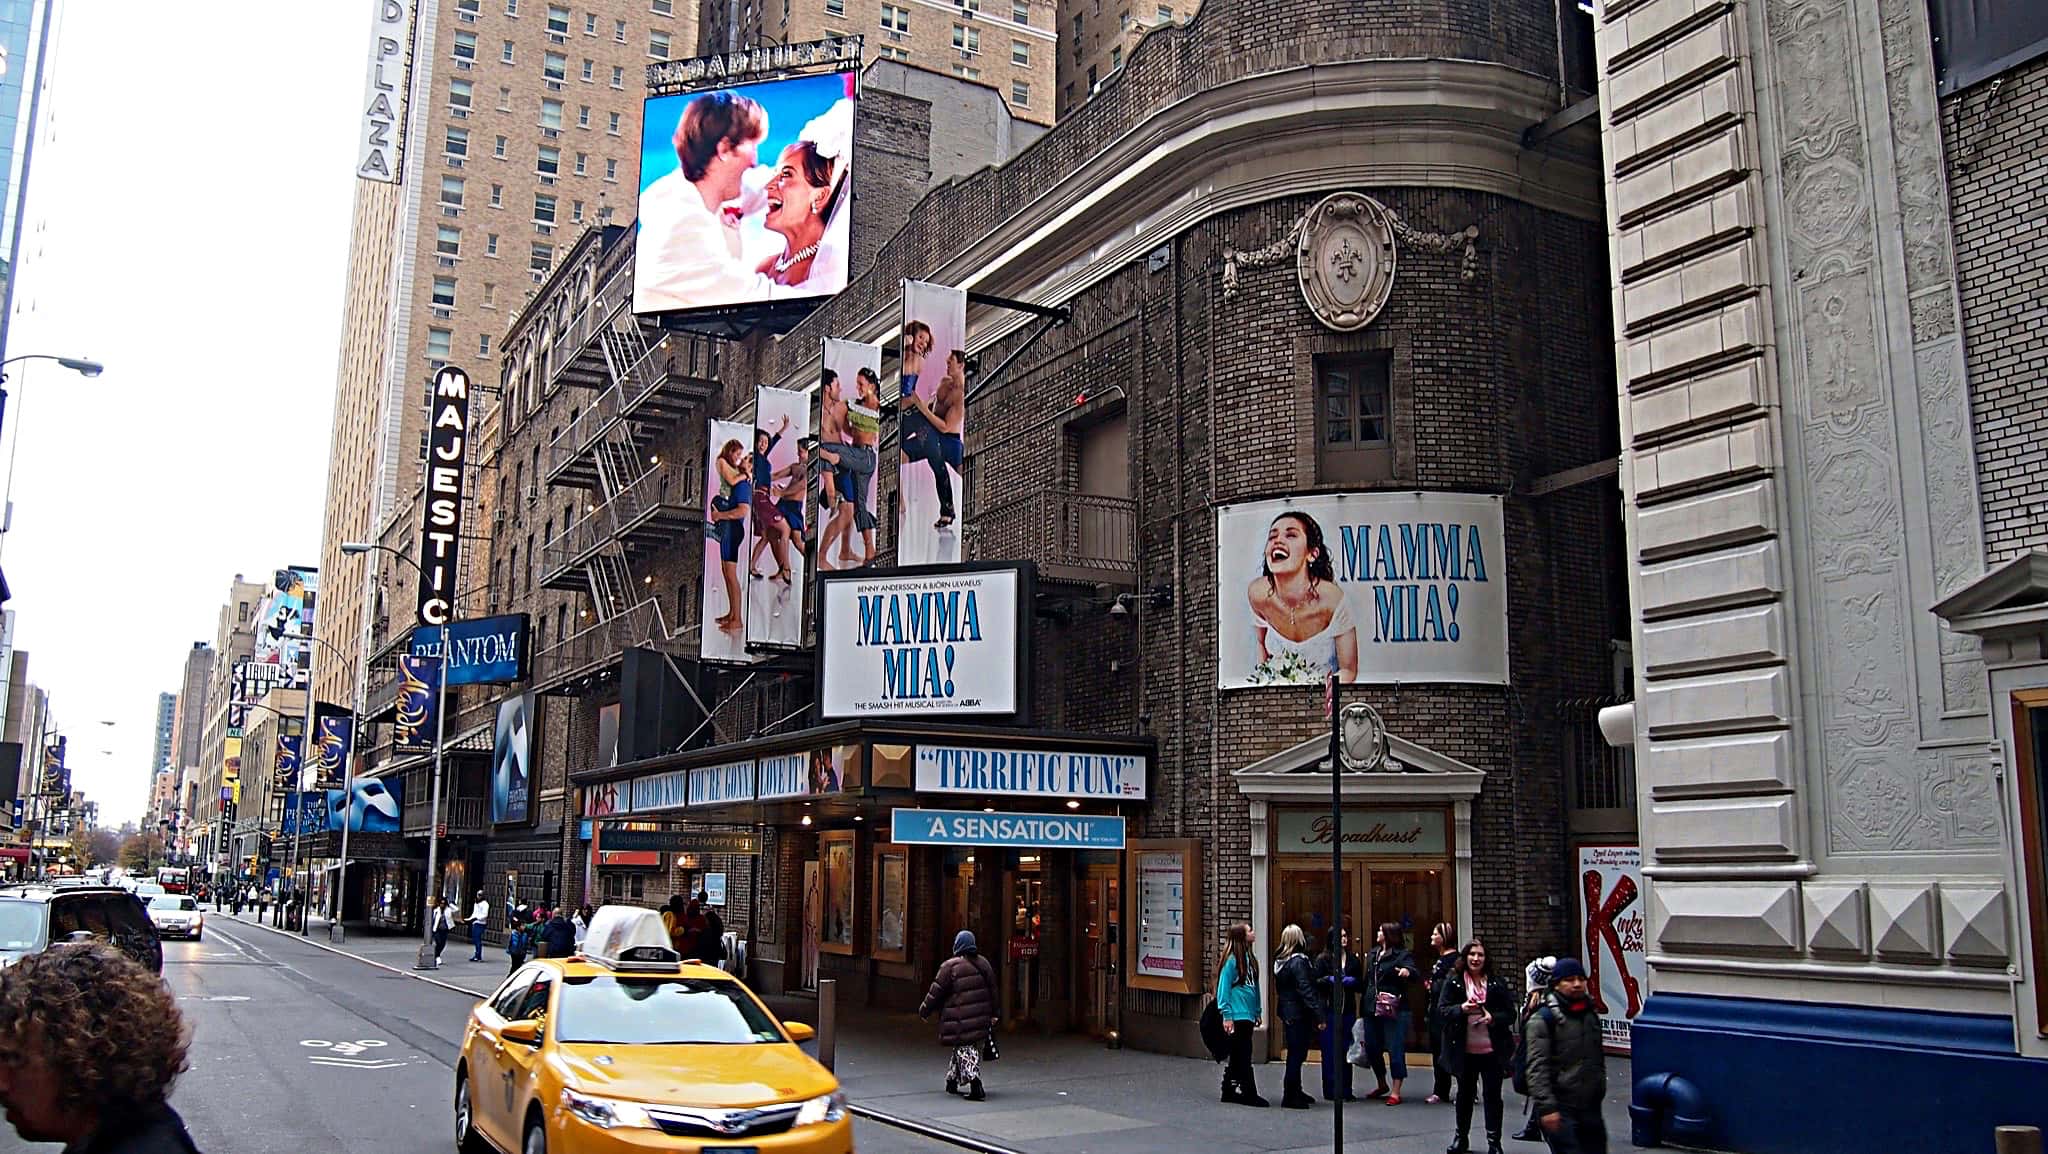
1238	1003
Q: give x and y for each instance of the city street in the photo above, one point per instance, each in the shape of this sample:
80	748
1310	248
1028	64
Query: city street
295	1048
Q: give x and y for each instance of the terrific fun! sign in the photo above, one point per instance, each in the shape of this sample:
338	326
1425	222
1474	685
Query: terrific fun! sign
1375	588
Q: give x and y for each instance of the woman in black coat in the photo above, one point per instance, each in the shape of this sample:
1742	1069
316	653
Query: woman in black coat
1388	970
1342	974
1444	940
1477	1010
964	995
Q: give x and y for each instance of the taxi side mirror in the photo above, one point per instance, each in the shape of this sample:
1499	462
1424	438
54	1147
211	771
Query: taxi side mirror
527	1032
798	1032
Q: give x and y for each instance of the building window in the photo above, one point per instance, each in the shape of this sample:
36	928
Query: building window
1020	93
507	52
504	99
497	196
543	256
511	7
483	344
835	7
1116	58
966	73
465	46
490	249
554	66
1165	14
1123	22
583	116
437	344
457	142
490	295
467	7
590	23
558	20
891	52
448	241
1078	28
460	93
582	162
618	77
612	125
498	148
1020	11
1020	54
444	292
543	208
551	114
550	162
619	31
451	191
895	19
657	45
576	211
611	171
1091	78
663	7
589	70
966	39
1355	416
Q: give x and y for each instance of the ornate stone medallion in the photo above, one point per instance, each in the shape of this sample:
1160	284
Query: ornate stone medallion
1345	260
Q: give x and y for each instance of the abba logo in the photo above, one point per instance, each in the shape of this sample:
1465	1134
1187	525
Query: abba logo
921	634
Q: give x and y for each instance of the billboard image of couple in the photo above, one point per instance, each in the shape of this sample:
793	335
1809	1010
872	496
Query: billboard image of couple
849	437
728	539
775	559
931	422
745	194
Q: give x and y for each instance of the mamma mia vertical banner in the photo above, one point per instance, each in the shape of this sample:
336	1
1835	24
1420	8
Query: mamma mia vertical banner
849	437
775	564
728	508
931	420
1372	587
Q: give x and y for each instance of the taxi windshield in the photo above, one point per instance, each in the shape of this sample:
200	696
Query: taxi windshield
659	1011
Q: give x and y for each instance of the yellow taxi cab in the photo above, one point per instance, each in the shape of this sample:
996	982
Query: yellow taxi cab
623	1047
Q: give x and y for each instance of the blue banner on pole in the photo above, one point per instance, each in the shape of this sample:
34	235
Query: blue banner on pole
487	650
419	700
1014	830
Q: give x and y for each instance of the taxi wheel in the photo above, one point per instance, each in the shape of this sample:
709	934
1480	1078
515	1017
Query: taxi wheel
536	1138
467	1140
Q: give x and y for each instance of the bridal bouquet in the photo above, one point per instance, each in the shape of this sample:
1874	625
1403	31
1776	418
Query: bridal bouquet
1286	669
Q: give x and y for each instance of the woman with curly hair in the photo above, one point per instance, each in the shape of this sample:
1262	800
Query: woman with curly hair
90	1043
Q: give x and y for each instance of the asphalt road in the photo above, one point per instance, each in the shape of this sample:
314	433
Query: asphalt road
297	1049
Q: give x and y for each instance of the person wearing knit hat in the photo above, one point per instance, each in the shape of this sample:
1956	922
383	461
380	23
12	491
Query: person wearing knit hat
964	995
1567	1064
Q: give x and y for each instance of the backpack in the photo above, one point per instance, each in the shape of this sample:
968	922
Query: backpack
1518	1065
518	942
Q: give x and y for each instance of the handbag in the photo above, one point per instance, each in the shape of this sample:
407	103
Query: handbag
1385	1005
1214	1037
1356	1055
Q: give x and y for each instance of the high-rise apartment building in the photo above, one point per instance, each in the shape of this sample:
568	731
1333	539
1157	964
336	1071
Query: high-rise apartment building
1096	37
187	728
1008	45
495	132
22	38
166	723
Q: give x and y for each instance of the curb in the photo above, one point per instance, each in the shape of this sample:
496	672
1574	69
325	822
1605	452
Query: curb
319	945
927	1130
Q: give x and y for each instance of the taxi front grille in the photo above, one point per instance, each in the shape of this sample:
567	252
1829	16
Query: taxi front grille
745	1123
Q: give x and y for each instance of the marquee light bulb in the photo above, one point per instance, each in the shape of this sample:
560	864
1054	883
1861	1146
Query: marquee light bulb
1073	804
807	819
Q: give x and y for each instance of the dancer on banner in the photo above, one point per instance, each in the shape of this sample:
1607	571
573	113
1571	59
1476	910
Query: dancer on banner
775	598
931	409
729	489
849	434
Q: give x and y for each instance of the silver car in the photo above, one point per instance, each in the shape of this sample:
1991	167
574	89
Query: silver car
176	916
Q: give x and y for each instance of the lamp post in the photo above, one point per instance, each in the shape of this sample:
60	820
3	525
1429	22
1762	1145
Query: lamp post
427	960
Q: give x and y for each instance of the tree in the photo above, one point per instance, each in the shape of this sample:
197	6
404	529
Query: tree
139	851
102	846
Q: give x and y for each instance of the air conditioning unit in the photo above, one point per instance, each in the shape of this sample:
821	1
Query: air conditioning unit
551	134
554	86
449	210
463	65
557	38
546	179
442	314
466	17
458	113
454	161
544	229
447	262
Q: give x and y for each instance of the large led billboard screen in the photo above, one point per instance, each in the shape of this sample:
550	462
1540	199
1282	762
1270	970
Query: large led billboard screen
745	194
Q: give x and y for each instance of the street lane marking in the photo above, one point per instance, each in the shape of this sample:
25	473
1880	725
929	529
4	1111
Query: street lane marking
355	1047
357	1063
220	998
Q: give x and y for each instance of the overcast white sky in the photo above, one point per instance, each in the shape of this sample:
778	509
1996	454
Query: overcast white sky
196	200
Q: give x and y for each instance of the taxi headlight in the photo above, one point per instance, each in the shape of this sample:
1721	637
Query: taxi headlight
823	1108
606	1113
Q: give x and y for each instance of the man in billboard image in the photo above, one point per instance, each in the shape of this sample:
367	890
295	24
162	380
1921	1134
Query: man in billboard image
723	229
850	430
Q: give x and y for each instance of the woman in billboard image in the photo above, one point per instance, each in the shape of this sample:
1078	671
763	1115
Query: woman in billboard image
729	512
1299	612
803	199
769	523
689	252
945	418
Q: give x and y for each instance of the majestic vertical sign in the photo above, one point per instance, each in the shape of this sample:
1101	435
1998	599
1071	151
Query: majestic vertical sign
775	564
419	699
441	528
728	508
849	437
931	420
383	131
1617	955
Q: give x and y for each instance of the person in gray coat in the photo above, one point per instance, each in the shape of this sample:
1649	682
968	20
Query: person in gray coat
1567	1065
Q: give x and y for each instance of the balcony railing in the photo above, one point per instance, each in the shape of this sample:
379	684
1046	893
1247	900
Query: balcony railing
462	814
593	648
655	505
1072	536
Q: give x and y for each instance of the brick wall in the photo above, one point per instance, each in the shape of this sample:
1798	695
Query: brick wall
1996	153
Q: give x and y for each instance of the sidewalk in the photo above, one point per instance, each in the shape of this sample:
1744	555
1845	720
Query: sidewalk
1063	1094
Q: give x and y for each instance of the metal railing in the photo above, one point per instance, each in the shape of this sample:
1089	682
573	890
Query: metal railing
460	814
638	625
1061	529
669	484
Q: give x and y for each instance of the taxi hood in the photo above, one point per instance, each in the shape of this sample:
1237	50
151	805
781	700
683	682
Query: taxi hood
717	1076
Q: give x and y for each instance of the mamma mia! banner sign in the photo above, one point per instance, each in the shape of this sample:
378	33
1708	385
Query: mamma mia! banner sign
927	644
1373	587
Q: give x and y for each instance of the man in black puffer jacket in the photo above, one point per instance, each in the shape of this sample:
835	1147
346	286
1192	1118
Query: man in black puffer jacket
1567	1066
964	994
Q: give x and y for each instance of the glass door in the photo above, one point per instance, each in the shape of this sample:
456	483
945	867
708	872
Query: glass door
1095	977
1305	902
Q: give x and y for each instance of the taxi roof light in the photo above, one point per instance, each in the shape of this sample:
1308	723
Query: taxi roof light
631	940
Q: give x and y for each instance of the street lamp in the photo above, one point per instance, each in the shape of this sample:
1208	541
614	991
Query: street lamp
427	960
